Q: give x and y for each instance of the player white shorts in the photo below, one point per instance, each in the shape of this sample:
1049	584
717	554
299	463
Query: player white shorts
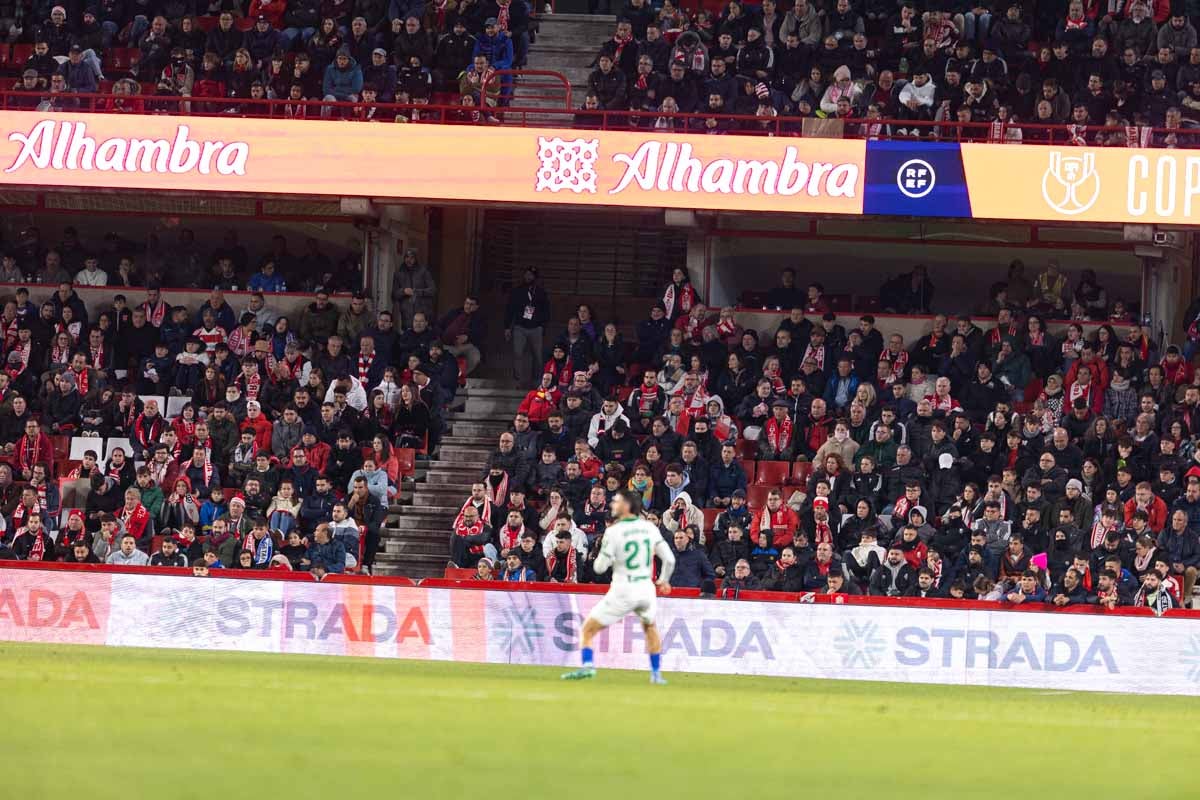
627	598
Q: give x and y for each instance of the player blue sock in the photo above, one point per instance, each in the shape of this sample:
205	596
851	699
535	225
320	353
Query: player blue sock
655	662
587	656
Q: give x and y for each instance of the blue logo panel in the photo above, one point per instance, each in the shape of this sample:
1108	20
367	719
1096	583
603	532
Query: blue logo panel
919	179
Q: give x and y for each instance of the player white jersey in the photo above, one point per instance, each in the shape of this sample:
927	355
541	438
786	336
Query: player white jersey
630	546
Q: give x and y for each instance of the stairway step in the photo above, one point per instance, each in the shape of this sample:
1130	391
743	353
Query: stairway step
471	440
468	427
497	392
460	464
473	453
459	483
490	405
400	550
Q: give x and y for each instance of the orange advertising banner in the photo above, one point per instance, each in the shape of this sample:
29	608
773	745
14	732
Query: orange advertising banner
432	162
1083	184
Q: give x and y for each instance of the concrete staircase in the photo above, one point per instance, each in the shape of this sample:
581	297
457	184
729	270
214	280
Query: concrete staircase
566	43
415	540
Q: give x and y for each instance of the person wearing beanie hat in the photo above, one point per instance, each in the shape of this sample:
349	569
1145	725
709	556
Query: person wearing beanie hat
755	60
342	82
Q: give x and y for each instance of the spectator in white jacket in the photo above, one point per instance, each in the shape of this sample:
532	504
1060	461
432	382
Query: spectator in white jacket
91	274
916	98
842	86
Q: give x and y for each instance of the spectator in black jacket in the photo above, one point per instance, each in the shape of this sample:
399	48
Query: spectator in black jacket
691	567
525	318
730	551
894	576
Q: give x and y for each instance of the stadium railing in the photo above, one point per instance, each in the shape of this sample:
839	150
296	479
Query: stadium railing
514	115
584	588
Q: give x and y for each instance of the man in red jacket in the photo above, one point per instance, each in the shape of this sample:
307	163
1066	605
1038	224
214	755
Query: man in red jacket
1144	499
33	448
257	422
776	518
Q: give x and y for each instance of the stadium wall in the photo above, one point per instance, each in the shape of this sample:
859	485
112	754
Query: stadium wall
974	646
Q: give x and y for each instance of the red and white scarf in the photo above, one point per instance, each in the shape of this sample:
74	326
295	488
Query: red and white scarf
647	400
473	530
81	380
21	513
897	362
944	404
572	566
485	513
240	342
822	532
817	354
509	538
687	295
98	356
24	351
251	386
779	434
364	366
37	551
1098	533
30	450
10	333
1077	390
136	520
156	313
774	522
497	496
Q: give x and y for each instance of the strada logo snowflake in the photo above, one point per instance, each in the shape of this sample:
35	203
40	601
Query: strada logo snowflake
1190	658
518	630
568	165
67	146
859	645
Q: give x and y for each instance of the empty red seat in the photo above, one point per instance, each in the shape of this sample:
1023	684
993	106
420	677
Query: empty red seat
5	54
710	517
800	472
407	458
772	473
748	469
62	446
747	449
20	54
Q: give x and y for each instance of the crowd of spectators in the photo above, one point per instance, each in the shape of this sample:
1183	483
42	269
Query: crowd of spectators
190	58
138	432
1005	462
980	70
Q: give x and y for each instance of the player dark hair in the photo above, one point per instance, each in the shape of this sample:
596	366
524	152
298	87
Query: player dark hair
634	500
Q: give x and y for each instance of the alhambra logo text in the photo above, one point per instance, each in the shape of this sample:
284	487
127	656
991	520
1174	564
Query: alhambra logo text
569	165
65	145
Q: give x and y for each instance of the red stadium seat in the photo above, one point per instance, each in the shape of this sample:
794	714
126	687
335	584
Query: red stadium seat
62	446
459	574
772	473
623	393
800	472
462	370
117	60
748	468
407	457
5	54
20	54
839	302
756	496
206	24
710	517
747	449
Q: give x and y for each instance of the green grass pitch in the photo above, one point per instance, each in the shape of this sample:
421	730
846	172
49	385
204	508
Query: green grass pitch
103	723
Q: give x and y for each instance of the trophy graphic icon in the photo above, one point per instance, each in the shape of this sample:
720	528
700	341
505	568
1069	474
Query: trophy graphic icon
1071	184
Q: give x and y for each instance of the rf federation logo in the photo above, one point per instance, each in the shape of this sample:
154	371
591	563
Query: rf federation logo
916	178
1071	184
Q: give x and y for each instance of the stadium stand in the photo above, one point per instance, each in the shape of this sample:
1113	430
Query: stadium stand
1073	74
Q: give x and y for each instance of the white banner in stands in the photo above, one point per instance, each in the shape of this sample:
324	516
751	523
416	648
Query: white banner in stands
980	648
